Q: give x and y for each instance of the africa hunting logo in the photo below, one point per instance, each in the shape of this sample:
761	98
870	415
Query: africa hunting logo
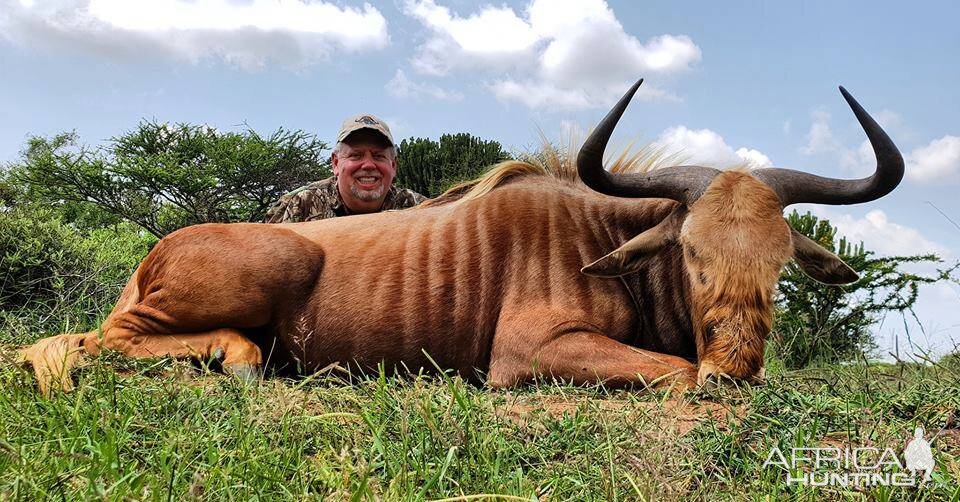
366	119
861	466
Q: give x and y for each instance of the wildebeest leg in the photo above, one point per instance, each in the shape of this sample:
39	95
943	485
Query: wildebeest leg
53	357
240	356
584	357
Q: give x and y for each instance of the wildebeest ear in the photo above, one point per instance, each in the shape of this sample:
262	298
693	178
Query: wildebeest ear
630	256
820	264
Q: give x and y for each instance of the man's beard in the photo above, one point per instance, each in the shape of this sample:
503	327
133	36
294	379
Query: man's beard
367	195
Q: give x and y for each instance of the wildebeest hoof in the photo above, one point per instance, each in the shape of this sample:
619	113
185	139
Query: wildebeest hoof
247	373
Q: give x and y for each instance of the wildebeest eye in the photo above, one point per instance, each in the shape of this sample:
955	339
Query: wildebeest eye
703	278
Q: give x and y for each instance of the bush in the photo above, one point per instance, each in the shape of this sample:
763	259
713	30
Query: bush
56	278
819	323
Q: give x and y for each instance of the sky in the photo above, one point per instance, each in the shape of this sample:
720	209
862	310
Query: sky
725	83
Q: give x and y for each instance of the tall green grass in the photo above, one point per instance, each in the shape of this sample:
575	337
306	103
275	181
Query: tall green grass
159	430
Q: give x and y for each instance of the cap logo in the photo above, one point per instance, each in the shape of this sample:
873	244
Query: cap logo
367	120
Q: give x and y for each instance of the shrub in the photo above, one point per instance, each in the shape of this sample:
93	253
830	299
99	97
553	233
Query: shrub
819	323
56	278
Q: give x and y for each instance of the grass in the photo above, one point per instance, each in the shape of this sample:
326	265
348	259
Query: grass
160	430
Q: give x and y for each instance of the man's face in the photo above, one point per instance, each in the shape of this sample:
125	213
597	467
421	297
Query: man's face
365	167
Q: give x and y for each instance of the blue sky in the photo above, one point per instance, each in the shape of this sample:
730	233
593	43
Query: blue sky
726	82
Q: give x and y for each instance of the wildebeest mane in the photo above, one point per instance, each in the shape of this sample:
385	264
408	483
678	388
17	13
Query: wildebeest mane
558	163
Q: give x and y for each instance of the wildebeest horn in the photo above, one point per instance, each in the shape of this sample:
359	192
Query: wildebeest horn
683	183
795	186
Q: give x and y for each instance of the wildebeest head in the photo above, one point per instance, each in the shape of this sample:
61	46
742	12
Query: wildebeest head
733	236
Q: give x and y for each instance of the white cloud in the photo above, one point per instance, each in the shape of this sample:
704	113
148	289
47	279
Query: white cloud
857	162
820	138
937	161
881	235
540	94
754	158
494	39
293	33
566	54
889	120
493	30
706	147
402	87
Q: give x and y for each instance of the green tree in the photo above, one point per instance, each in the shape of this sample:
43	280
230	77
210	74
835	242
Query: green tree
166	176
819	323
430	167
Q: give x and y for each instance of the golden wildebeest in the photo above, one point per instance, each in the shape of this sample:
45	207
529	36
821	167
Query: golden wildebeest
490	278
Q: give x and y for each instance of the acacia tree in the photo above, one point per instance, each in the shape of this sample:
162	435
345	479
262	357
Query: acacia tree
167	176
429	167
832	323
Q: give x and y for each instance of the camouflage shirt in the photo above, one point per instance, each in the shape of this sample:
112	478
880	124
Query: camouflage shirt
321	199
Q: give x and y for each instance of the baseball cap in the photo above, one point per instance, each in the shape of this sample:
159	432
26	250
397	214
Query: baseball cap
364	121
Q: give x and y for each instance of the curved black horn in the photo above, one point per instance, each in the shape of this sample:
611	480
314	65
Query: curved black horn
683	183
795	186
